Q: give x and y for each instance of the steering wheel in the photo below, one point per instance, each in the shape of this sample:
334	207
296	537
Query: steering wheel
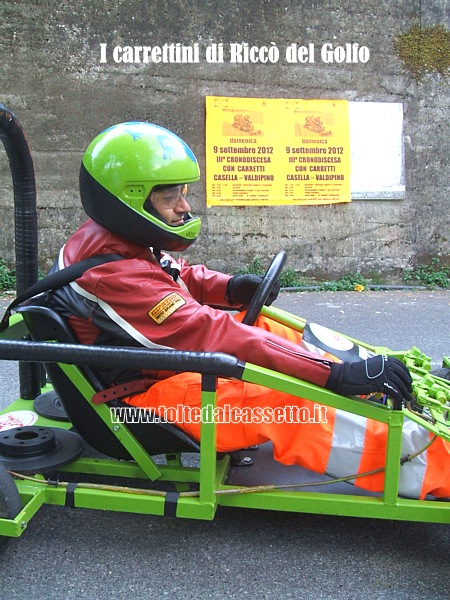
264	288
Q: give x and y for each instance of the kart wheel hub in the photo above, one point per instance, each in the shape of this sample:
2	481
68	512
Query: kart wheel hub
24	442
36	449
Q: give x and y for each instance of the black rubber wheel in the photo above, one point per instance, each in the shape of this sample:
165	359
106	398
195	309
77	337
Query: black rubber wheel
443	372
10	504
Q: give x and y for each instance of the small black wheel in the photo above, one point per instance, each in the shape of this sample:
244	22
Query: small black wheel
443	372
10	504
264	288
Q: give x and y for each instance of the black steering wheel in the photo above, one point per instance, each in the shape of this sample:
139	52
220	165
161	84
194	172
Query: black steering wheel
264	288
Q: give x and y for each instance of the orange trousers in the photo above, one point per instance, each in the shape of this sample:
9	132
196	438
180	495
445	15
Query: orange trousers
302	432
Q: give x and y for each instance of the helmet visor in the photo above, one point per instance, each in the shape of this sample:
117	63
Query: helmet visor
167	196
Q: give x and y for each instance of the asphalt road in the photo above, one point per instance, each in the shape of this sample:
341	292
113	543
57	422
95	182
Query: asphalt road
76	553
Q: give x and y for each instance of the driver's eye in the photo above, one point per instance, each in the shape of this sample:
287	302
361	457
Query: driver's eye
170	197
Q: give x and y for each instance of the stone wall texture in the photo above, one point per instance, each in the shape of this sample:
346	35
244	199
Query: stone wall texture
52	77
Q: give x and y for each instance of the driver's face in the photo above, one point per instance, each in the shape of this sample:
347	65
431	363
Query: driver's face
171	204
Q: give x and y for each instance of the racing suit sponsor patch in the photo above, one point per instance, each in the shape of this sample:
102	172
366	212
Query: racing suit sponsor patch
166	307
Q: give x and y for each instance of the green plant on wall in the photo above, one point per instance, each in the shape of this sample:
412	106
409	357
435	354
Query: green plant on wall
7	276
431	275
424	50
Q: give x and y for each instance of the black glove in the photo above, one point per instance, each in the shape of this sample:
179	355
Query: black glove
241	288
375	374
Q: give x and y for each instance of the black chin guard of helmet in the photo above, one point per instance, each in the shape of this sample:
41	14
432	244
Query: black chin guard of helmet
116	216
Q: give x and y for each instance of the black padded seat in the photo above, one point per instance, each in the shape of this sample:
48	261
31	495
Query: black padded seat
44	324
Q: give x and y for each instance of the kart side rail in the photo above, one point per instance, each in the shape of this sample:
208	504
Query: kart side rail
206	363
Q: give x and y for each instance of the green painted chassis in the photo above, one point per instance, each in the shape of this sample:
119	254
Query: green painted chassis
209	477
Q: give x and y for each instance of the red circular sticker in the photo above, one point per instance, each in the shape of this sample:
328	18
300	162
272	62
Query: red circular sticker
17	418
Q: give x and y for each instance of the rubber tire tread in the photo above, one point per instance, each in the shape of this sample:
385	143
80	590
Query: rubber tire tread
10	503
443	372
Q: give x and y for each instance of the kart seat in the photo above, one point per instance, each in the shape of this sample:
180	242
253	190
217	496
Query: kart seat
161	437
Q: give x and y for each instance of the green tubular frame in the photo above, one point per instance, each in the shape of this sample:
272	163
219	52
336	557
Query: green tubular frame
210	475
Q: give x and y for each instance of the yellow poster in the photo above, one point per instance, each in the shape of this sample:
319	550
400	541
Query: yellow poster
262	151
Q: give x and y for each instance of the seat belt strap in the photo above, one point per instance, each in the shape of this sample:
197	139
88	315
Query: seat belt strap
57	280
121	390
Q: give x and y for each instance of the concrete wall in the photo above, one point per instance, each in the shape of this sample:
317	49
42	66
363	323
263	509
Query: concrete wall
51	76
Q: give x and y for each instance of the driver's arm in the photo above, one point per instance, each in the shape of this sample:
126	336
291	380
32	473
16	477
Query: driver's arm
157	312
217	289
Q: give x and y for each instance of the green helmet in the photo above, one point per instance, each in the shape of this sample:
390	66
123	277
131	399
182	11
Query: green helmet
120	168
